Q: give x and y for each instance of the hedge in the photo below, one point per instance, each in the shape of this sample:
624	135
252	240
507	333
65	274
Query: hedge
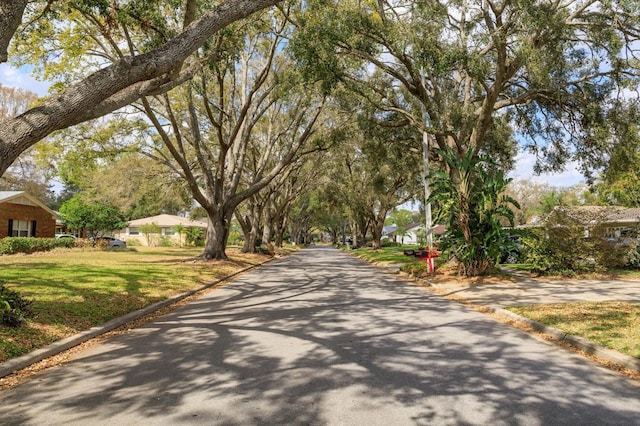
13	245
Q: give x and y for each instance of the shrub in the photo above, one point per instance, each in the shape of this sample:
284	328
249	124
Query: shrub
166	242
194	236
562	248
13	245
14	309
633	258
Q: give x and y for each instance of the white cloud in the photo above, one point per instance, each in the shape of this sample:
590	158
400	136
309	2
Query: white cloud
524	170
21	78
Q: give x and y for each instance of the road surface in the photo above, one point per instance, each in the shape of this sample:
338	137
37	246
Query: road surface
322	338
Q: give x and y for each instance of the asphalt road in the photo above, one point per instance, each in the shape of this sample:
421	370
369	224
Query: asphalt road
322	338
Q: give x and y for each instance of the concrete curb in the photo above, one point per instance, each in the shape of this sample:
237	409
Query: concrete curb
581	343
14	364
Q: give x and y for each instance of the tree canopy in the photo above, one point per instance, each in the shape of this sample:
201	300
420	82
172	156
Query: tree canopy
107	88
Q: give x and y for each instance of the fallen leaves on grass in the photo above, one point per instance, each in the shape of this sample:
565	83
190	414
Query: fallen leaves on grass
615	325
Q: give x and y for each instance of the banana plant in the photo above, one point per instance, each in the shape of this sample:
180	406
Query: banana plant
470	196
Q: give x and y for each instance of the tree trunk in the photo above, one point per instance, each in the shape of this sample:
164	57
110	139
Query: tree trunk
266	233
377	225
11	12
250	241
281	227
377	237
217	235
279	239
245	225
256	212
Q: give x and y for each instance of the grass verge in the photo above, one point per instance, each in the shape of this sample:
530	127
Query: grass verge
76	289
615	325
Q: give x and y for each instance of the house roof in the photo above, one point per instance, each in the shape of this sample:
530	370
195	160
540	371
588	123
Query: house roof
21	197
437	229
167	220
389	229
626	215
608	214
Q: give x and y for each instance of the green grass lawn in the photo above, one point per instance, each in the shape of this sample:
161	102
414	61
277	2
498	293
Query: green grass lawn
385	254
75	289
615	325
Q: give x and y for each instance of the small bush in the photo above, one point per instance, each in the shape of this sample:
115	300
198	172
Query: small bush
633	258
14	309
133	242
13	245
166	242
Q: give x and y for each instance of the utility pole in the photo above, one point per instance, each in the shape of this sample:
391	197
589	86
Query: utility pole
427	191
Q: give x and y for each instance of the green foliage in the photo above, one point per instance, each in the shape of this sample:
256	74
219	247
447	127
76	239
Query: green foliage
179	229
561	247
402	218
522	73
166	242
148	231
96	218
472	196
14	309
623	189
194	236
235	237
13	245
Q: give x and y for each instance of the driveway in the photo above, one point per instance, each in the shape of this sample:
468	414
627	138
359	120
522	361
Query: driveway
532	291
322	338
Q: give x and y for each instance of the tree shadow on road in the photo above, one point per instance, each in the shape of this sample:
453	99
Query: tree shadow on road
311	340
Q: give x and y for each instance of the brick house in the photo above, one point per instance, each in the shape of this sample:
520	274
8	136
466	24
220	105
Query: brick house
22	215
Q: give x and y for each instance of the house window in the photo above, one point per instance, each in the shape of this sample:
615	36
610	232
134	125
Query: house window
168	231
21	228
134	231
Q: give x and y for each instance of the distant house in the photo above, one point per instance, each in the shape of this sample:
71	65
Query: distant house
615	221
166	222
415	233
388	231
22	215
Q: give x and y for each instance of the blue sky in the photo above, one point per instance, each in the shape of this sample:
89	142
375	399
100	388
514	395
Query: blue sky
21	78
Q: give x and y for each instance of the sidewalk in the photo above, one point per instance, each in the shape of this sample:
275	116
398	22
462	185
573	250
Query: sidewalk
530	291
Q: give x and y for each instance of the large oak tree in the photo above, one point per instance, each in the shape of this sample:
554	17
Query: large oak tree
116	84
474	75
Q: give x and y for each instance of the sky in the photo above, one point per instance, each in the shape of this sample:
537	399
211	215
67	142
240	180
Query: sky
524	170
21	78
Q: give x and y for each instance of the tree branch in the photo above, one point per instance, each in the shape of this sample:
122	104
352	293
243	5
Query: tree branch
61	111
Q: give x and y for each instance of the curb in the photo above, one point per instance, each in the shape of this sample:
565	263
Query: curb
581	343
14	364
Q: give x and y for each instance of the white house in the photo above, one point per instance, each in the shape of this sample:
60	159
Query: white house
167	224
410	236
